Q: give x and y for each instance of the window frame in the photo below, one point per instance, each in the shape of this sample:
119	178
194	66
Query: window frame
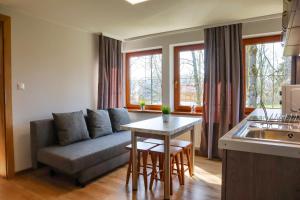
129	105
252	41
177	50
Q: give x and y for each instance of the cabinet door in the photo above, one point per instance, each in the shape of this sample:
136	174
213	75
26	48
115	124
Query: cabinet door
251	176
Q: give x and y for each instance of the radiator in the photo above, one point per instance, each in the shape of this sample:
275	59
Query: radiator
186	136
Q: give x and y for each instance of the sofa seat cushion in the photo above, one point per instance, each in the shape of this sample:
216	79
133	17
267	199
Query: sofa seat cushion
78	156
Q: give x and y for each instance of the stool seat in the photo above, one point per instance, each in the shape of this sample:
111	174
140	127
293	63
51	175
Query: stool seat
180	143
154	141
161	149
142	146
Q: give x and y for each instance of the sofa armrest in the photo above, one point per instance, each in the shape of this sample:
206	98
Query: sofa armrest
42	134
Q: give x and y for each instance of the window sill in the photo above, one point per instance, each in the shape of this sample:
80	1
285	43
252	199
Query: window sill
159	112
144	111
186	113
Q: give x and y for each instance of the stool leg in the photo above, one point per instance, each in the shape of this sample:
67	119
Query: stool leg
172	164
153	173
129	168
182	167
160	164
171	180
188	157
178	169
138	161
145	157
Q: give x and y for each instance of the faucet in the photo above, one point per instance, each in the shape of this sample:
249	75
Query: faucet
193	108
265	112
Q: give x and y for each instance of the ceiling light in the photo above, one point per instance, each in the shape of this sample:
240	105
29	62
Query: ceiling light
133	2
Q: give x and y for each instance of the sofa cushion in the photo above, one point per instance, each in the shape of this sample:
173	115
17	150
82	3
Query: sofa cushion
118	117
81	155
71	127
98	123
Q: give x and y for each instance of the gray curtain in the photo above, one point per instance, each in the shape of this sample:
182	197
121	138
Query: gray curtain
110	80
295	72
223	85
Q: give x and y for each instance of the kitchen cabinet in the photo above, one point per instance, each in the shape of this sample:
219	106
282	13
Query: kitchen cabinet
253	176
261	168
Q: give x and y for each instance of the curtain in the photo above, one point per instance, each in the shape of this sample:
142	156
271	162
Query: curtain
223	85
295	72
110	77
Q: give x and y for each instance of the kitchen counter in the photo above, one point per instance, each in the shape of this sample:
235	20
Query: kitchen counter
248	165
227	142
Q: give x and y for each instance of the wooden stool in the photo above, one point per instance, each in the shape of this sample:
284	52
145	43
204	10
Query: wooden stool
157	153
142	148
185	145
158	142
187	150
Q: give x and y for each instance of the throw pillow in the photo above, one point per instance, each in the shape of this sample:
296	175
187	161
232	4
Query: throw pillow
71	127
118	117
98	123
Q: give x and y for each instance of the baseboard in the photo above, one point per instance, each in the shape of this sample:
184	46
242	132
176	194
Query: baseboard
197	152
24	171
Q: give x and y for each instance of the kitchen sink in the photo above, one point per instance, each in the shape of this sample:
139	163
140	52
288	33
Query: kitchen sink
272	133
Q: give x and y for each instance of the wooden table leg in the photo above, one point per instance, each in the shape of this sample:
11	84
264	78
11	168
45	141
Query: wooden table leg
193	149
167	168
134	161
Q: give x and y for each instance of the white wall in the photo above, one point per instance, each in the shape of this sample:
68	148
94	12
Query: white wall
167	41
58	66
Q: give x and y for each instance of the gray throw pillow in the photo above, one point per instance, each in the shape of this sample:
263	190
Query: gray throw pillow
71	127
98	123
118	117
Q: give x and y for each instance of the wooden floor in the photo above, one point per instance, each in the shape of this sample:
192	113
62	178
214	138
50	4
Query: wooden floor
38	185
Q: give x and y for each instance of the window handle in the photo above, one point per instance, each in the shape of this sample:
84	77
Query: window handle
176	84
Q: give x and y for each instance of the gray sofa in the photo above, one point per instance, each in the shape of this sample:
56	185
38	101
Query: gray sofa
84	160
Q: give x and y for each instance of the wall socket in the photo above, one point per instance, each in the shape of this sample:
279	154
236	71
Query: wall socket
21	86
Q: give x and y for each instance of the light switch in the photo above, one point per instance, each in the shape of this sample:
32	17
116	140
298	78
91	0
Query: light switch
21	86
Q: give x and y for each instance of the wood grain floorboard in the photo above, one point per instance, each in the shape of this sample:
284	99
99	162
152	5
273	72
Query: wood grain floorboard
38	185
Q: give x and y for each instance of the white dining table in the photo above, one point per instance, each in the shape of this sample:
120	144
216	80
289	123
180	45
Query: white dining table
157	129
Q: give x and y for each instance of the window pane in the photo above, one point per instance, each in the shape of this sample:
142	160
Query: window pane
191	77
267	70
145	79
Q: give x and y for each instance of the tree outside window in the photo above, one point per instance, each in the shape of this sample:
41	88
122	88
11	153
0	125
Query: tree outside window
189	77
144	78
266	71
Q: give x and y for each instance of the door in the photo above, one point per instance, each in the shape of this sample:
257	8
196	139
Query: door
2	109
6	134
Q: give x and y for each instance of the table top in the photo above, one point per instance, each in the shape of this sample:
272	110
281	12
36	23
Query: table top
157	126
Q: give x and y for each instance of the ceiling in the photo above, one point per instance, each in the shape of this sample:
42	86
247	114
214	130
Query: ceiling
120	19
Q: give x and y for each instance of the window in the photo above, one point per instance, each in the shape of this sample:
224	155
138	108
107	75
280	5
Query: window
144	79
266	70
188	77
